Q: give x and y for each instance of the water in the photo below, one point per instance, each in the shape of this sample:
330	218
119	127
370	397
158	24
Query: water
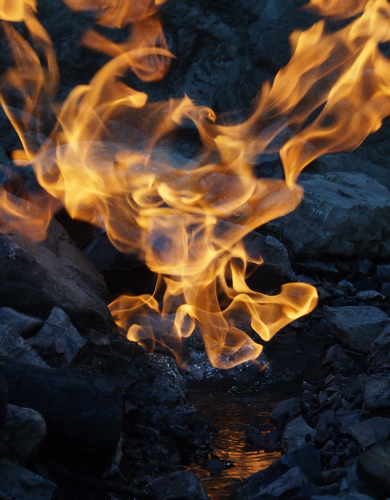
231	411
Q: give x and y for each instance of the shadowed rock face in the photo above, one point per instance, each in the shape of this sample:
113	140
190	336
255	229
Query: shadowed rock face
35	277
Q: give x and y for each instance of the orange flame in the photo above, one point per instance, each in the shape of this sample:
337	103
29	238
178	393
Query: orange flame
187	220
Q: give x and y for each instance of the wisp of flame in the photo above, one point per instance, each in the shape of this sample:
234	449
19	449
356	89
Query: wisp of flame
188	221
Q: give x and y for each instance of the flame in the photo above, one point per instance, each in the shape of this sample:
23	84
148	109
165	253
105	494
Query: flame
104	161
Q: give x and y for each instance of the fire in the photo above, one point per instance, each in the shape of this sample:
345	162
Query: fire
188	221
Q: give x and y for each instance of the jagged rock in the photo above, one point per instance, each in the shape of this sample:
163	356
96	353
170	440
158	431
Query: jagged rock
35	277
377	393
345	496
341	214
338	359
58	338
20	323
13	346
296	433
284	409
356	326
383	272
368	432
17	483
291	481
22	433
181	485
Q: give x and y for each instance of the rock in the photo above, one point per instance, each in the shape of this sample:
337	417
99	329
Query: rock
356	326
368	432
345	496
382	341
307	459
36	276
3	399
383	272
181	485
377	393
373	467
18	322
344	214
17	483
13	346
276	268
284	409
58	338
290	482
344	162
296	433
338	359
347	418
22	433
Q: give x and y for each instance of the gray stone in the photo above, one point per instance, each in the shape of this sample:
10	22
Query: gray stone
341	214
20	323
58	337
368	432
291	480
338	359
22	433
373	468
345	496
181	485
295	434
13	346
17	483
377	393
284	409
382	341
356	326
36	276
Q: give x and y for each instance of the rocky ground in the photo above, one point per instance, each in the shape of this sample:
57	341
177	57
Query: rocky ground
61	353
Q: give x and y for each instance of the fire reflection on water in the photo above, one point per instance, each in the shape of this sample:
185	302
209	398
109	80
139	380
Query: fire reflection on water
188	223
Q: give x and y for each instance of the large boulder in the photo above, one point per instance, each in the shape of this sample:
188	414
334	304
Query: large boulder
341	213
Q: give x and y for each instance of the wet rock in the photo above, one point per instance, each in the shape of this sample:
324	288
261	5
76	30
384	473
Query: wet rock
13	346
17	483
35	277
20	323
284	409
58	338
373	467
370	431
341	214
181	485
377	392
262	441
296	433
22	433
338	359
356	326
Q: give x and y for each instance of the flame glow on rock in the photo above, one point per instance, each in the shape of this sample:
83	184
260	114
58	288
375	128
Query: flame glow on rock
188	222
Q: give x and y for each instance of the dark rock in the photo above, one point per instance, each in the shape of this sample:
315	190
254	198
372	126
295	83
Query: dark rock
261	440
309	462
215	467
58	338
347	418
36	276
17	483
19	323
338	359
289	483
22	433
3	399
13	346
296	433
368	432
284	409
181	485
356	326
341	214
377	392
383	272
373	467
326	420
